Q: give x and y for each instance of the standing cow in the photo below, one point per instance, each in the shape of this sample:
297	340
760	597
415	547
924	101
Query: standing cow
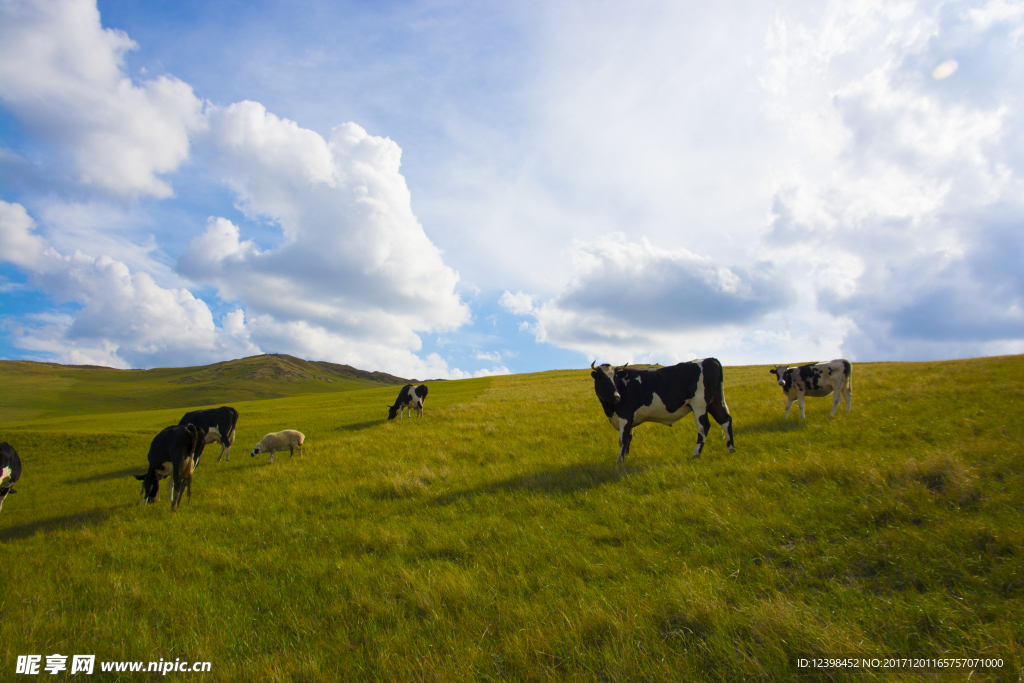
10	470
214	425
409	397
171	454
632	396
816	379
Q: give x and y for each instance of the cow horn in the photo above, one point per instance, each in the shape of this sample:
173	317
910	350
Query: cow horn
592	365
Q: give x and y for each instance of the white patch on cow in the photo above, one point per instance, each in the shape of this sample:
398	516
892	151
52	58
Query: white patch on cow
658	412
5	473
166	470
614	419
213	435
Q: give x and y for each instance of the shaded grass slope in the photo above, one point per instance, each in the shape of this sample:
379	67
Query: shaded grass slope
496	538
44	389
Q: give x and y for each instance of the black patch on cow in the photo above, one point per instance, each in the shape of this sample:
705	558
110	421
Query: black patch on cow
810	376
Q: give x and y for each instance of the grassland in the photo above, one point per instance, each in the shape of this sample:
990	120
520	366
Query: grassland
496	538
33	390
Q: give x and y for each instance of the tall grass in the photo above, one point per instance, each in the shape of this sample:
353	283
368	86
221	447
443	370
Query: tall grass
496	538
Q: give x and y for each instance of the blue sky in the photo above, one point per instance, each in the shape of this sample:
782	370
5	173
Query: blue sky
443	189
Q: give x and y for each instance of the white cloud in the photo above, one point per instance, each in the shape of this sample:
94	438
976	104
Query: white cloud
125	319
456	373
903	223
63	75
496	370
639	299
518	303
353	260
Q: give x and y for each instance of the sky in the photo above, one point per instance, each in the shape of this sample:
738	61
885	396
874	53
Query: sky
452	189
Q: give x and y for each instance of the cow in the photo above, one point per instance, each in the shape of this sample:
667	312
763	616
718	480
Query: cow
409	397
172	453
214	425
631	396
816	379
10	470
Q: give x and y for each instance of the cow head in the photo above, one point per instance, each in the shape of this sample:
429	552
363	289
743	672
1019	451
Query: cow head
392	411
604	383
150	486
783	376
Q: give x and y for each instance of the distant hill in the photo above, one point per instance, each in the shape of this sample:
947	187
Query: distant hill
40	389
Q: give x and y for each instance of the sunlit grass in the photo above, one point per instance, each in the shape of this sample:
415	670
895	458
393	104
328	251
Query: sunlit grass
496	538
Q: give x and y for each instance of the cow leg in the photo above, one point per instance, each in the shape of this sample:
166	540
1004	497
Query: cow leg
800	399
703	425
835	402
847	395
419	410
789	404
625	437
720	412
272	457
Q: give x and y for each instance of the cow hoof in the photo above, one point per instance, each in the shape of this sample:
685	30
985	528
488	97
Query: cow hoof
732	449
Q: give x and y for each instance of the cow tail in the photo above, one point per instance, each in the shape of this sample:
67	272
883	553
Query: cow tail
848	367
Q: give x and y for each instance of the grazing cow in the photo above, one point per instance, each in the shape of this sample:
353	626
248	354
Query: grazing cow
632	396
10	470
816	379
171	454
214	425
278	441
409	397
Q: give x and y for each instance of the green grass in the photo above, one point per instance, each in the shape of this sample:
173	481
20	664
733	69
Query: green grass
33	390
496	538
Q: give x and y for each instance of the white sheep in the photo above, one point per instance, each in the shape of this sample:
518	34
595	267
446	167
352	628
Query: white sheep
278	441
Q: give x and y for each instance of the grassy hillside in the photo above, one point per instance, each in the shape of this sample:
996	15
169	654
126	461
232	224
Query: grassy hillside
43	389
496	538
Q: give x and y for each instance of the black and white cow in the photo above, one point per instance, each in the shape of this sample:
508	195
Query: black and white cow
10	470
409	397
816	379
631	396
214	425
171	454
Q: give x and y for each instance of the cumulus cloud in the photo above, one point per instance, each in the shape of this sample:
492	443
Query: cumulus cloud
63	74
353	258
636	298
484	372
124	319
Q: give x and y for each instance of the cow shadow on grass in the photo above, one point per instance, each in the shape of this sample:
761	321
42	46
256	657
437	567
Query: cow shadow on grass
772	427
359	425
45	526
141	469
559	481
